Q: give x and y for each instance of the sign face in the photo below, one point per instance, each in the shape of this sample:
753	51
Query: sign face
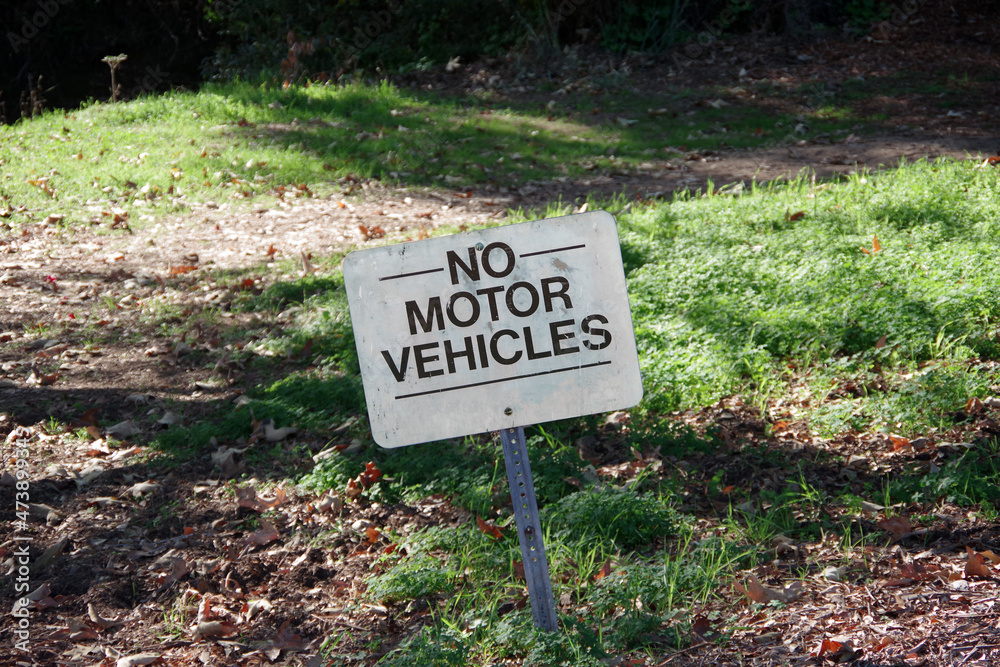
493	329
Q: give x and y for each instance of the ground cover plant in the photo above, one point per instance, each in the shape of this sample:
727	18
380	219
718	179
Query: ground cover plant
860	311
123	164
811	474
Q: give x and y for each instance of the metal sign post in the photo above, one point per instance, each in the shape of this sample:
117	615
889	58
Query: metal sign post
529	529
482	331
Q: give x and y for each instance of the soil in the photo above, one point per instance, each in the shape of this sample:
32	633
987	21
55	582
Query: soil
124	536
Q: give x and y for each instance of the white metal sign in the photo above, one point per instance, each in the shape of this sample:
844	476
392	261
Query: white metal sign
493	329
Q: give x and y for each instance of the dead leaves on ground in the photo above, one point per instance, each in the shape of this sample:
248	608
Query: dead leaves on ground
757	592
247	497
364	481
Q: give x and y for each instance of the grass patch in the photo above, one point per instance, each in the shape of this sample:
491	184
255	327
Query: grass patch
122	163
730	295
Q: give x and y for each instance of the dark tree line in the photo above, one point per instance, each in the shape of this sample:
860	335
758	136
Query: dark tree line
52	49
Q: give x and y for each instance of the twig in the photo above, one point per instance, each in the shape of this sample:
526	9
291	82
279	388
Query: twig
682	652
968	655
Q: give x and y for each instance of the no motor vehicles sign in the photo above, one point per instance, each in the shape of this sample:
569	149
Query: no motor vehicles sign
493	329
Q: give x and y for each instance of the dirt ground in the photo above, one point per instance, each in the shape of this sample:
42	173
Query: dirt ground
113	539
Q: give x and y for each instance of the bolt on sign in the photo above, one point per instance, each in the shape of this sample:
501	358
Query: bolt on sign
493	329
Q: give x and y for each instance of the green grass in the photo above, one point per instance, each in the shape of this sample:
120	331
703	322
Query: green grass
116	164
751	295
731	295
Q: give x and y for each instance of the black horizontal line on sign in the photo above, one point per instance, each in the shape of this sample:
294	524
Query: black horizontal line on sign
413	273
516	377
545	252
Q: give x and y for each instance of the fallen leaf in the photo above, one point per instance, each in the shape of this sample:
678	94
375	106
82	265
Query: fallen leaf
247	497
975	566
100	621
287	639
992	556
896	526
353	489
139	659
916	572
880	343
899	443
267	534
214	629
838	652
225	459
143	488
604	571
42	379
330	502
122	430
489	528
178	570
372	533
880	644
701	626
272	434
254	607
370	475
757	592
180	269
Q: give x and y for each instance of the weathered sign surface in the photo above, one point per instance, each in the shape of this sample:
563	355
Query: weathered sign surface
493	329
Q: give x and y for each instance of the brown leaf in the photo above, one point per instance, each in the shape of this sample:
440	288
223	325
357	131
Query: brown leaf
916	572
101	622
880	644
975	566
267	534
757	592
828	646
881	342
973	406
838	652
42	379
373	534
50	602
181	269
247	497
519	570
604	571
992	556
876	246
489	528
353	490
899	443
139	659
701	626
179	569
896	526
214	629
287	639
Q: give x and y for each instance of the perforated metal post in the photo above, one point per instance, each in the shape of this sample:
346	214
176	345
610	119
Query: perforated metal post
529	529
